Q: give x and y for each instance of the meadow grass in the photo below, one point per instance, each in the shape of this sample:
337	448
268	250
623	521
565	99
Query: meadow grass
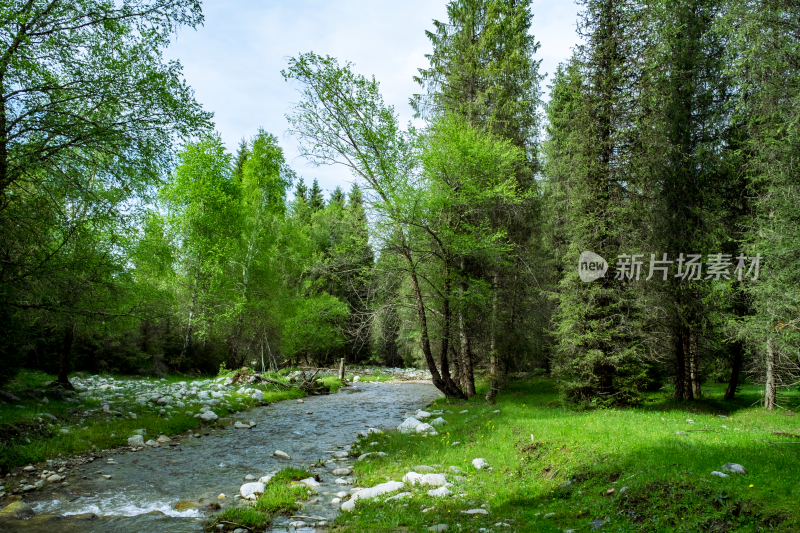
25	439
281	495
554	467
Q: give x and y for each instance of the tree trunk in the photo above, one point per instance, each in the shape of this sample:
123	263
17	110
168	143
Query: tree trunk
738	351
467	376
695	375
66	351
688	391
770	391
680	368
494	368
450	385
188	339
426	344
341	369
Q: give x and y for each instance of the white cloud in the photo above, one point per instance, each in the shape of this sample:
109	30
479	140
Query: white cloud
234	61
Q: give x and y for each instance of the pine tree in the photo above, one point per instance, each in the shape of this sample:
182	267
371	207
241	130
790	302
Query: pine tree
301	191
316	201
242	155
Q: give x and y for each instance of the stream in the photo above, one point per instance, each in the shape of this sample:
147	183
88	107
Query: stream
145	486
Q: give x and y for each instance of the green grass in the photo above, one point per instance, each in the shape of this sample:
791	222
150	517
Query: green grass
281	495
28	437
535	445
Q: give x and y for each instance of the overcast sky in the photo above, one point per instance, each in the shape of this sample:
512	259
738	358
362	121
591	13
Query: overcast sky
234	60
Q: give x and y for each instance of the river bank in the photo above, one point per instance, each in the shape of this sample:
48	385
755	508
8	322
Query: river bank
171	486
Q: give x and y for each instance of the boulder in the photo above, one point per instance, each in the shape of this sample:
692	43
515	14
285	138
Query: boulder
412	477
372	492
258	396
426	429
310	482
436	480
480	463
734	468
398	496
208	416
137	441
18	510
342	471
440	492
250	491
55	478
409	425
422	414
438	421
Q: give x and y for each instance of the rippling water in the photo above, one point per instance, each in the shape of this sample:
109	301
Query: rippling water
146	485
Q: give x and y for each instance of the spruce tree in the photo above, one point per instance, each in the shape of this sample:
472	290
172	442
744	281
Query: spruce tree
316	201
589	139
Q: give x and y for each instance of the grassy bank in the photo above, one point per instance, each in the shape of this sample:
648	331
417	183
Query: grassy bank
281	495
556	469
29	435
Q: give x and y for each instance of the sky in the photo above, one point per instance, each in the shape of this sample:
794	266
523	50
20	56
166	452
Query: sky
233	61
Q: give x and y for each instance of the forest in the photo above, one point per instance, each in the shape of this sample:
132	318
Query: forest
665	159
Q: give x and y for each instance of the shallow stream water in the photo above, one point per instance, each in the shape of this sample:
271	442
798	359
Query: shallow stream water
145	486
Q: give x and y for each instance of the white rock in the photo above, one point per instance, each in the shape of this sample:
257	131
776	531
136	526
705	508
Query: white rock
478	511
365	455
208	416
398	496
265	479
409	425
372	492
336	500
54	478
355	379
258	396
249	477
422	414
480	463
136	441
279	453
340	455
456	469
152	443
463	412
413	478
734	468
456	443
341	481
342	471
718	474
163	438
438	421
426	429
240	425
310	482
249	491
299	401
438	493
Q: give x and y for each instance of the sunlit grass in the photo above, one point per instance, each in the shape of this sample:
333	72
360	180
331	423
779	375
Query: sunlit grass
535	446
